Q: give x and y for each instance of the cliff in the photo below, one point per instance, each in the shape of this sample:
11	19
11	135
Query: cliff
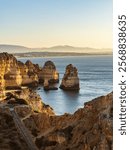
88	128
9	71
14	74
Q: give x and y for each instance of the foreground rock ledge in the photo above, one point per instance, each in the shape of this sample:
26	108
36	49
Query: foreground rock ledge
89	128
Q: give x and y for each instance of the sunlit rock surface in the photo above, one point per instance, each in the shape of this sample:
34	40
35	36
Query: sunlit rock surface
49	73
89	128
70	80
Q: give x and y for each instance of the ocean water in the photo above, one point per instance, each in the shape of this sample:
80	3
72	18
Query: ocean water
95	74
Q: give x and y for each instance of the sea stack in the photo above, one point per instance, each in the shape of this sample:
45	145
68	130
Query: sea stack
70	80
49	73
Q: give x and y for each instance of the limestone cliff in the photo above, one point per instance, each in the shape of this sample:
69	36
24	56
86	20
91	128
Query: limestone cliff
28	78
9	71
70	80
88	128
14	74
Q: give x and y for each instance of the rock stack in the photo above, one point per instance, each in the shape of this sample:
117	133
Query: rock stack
49	75
14	74
70	80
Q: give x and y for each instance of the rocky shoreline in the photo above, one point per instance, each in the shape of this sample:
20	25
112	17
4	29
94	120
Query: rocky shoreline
14	74
89	128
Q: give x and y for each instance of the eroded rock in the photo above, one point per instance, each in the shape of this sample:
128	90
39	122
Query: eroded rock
70	80
87	129
49	73
14	73
9	71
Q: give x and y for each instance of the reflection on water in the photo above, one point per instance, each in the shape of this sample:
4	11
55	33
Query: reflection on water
61	101
71	95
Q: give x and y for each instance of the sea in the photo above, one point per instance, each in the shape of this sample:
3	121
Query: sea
96	79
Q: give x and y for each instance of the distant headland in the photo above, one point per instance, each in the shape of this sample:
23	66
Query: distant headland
65	50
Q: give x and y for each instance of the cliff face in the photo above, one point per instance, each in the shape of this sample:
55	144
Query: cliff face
87	129
28	78
9	71
70	80
14	73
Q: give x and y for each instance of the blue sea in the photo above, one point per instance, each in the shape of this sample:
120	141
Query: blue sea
96	79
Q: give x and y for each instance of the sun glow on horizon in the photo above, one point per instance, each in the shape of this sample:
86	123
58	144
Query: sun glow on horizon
48	23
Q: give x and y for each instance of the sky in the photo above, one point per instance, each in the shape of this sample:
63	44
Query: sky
47	23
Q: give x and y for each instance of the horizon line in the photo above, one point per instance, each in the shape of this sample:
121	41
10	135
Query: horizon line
53	46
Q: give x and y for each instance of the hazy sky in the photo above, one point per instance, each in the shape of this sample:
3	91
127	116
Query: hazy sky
45	23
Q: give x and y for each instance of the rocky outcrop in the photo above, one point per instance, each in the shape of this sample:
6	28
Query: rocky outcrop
14	74
29	78
35	68
49	73
9	71
31	98
87	129
70	80
10	139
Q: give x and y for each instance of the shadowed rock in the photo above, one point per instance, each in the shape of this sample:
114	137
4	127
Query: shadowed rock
89	128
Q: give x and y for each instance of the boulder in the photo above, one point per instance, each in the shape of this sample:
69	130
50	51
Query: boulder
70	80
